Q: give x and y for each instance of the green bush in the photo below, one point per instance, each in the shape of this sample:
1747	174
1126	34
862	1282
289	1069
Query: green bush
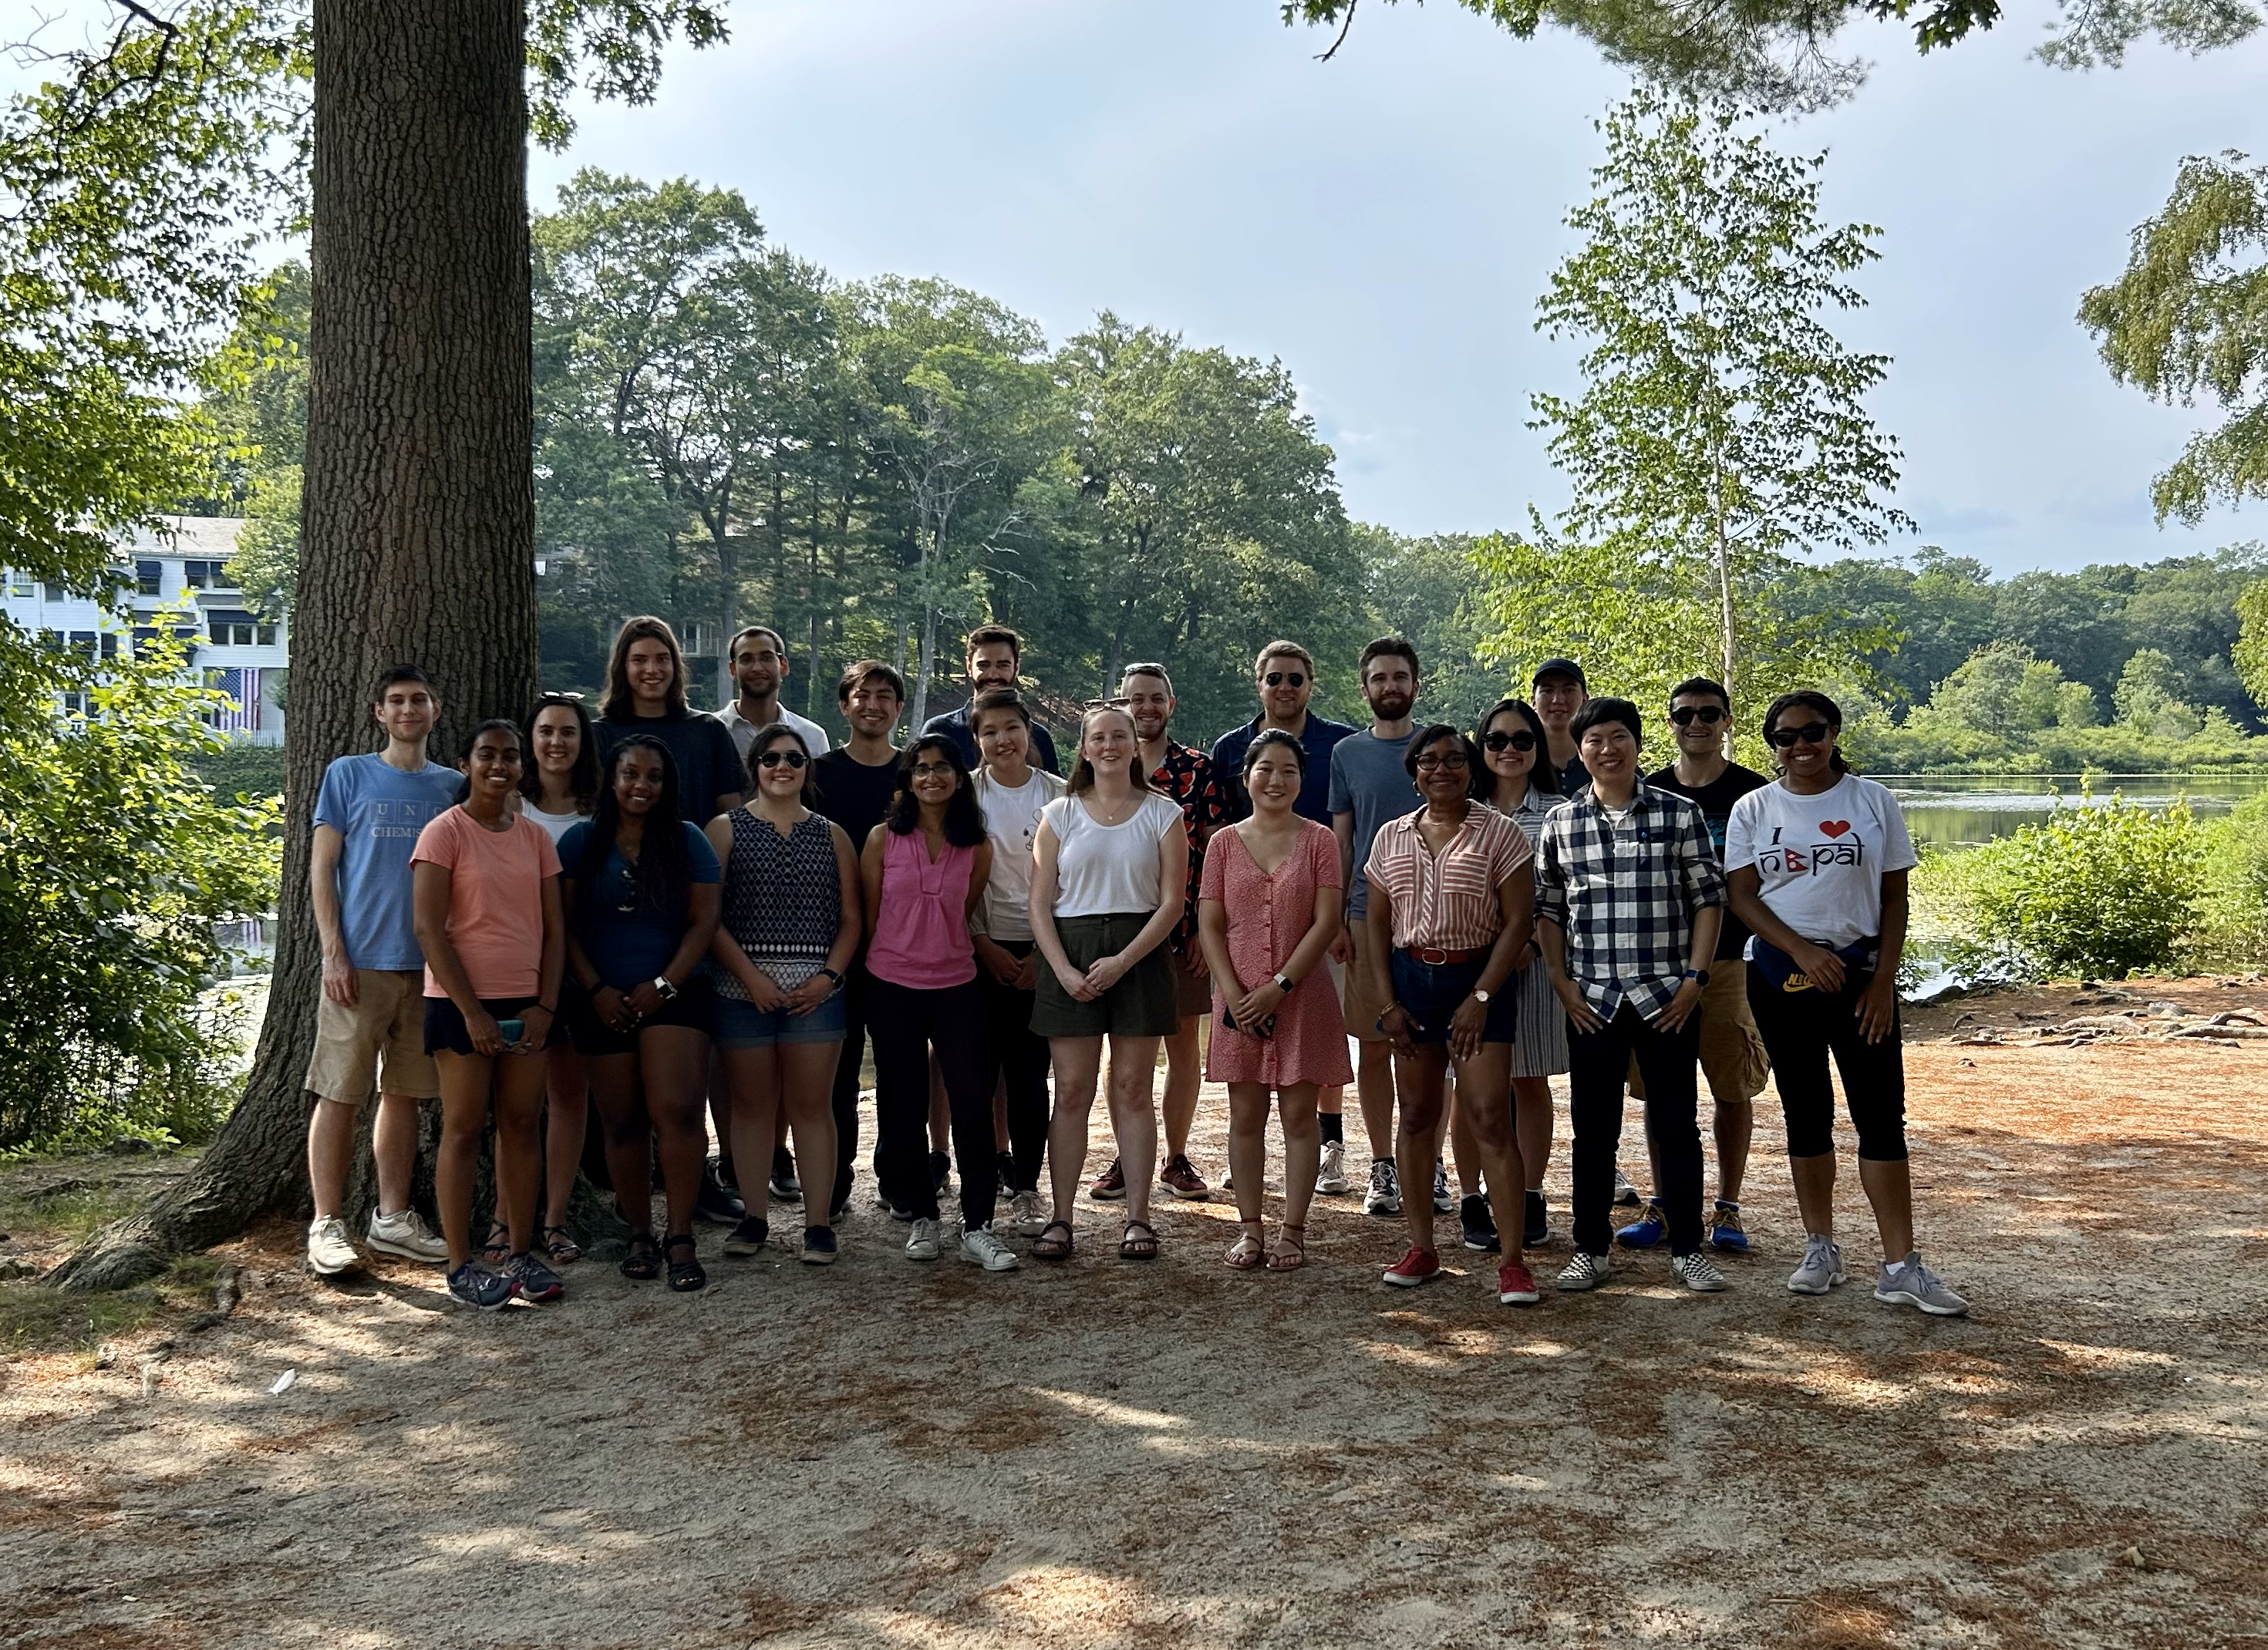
240	768
2232	927
2093	890
117	861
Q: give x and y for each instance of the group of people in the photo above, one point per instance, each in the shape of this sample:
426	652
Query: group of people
656	914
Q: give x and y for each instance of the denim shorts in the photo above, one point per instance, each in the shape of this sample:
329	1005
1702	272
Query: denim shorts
1430	994
741	1024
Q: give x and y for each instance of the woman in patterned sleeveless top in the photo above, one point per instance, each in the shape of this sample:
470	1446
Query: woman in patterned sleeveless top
791	927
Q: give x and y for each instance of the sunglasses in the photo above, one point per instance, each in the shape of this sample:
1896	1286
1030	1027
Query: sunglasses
1707	715
774	758
1108	704
558	698
1454	761
1511	742
1809	733
1285	679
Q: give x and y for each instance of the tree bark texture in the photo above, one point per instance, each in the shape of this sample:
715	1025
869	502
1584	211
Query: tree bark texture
418	528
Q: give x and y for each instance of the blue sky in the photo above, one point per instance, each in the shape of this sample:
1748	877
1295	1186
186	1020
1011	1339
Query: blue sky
1384	222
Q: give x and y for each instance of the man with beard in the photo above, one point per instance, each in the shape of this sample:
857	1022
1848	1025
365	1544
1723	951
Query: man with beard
994	656
759	670
1186	774
1369	786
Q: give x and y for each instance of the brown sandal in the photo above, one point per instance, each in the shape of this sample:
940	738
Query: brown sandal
1288	1254
1246	1254
1138	1249
1045	1248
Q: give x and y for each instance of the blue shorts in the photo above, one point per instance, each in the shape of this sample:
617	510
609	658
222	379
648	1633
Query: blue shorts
742	1024
1430	992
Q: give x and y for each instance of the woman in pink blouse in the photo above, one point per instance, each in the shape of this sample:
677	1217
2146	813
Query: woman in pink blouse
1452	903
1267	909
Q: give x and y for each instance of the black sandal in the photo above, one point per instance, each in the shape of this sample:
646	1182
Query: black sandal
644	1262
496	1249
1138	1249
685	1276
560	1248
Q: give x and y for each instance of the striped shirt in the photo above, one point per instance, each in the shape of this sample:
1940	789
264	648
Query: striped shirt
1625	894
1447	902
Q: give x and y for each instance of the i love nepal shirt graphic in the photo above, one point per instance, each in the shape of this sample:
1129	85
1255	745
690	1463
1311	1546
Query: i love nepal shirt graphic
1820	860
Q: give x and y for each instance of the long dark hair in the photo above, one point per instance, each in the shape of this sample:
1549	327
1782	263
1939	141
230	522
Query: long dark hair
621	703
494	725
767	736
1809	699
964	820
1432	735
1542	776
664	872
583	778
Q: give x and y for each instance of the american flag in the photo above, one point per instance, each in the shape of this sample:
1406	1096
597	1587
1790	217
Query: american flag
243	686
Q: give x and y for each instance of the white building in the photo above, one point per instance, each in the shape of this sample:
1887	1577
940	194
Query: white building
177	577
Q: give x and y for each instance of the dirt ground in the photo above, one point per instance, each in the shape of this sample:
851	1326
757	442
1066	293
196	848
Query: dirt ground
889	1455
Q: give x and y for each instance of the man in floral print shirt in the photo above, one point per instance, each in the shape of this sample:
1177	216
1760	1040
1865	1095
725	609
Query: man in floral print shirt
1186	774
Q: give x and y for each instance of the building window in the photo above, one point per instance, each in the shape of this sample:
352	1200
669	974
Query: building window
204	575
21	583
83	642
230	629
149	577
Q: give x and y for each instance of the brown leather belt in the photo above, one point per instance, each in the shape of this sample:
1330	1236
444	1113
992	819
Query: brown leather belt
1432	957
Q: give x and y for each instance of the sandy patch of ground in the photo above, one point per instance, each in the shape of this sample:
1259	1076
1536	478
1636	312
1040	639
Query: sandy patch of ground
890	1456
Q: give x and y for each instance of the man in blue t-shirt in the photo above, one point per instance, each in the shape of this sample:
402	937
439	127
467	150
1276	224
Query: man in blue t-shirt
370	1026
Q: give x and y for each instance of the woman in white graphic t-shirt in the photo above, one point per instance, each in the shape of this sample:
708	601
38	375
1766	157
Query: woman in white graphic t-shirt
1817	864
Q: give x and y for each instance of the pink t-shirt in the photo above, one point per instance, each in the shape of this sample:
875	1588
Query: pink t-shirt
921	922
495	900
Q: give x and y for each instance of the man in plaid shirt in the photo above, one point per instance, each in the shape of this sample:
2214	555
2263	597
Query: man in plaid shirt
1629	899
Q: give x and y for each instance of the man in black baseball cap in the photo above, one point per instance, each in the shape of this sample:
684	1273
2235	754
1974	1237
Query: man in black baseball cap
1557	691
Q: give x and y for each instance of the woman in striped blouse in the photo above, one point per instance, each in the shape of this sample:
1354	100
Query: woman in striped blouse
1451	905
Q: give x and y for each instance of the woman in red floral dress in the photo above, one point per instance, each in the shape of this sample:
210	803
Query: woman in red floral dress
1267	909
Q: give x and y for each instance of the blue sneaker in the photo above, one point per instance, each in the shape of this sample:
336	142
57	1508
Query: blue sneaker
1651	1226
1725	1232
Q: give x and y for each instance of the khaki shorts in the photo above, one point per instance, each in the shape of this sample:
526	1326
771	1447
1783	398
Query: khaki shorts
1733	1057
383	1036
1361	1008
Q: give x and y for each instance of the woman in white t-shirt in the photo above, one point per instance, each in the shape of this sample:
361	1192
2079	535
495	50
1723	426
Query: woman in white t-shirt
1818	863
557	792
1110	865
1011	793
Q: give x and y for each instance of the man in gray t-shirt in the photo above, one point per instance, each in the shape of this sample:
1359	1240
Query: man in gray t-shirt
1369	786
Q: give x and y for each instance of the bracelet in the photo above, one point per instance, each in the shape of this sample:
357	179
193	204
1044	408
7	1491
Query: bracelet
548	1009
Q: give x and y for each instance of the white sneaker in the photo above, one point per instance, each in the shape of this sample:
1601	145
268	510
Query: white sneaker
1330	1173
1697	1272
1625	1192
1586	1271
405	1234
923	1245
978	1244
1911	1284
1024	1214
329	1250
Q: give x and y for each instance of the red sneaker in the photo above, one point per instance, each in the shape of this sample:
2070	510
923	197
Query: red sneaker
1110	1185
1414	1268
1515	1286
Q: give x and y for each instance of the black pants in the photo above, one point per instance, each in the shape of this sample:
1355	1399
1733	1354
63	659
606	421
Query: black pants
1801	1030
845	1101
1022	1061
906	1024
1597	1064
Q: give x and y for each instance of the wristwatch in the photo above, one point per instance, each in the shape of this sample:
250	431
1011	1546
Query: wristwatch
1482	997
1699	976
1283	983
661	983
832	975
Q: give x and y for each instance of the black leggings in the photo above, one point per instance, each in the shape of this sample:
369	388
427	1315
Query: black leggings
856	984
1021	1060
1597	1064
906	1024
1801	1030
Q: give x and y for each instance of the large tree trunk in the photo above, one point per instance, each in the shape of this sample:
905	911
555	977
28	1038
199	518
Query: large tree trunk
419	530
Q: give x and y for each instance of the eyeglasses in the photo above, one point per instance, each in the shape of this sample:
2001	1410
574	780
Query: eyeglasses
792	758
1707	715
1285	679
1493	743
1809	733
1454	761
929	770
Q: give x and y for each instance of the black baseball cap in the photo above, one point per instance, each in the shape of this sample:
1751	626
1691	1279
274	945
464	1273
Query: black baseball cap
1561	667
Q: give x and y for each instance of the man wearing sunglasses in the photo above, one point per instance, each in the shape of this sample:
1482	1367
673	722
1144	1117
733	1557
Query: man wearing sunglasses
1732	1052
1284	676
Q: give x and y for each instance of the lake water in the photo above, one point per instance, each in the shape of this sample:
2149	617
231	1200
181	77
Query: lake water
1962	811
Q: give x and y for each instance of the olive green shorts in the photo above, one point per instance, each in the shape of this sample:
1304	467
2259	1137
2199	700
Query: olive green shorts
1145	1003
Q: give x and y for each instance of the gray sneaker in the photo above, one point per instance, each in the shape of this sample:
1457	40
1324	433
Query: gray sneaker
1586	1271
405	1234
1822	1269
1911	1284
923	1245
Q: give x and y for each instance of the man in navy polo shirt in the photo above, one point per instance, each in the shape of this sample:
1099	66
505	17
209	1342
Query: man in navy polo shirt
1285	677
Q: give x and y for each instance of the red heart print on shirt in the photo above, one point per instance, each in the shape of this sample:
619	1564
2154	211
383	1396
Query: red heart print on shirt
1835	826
